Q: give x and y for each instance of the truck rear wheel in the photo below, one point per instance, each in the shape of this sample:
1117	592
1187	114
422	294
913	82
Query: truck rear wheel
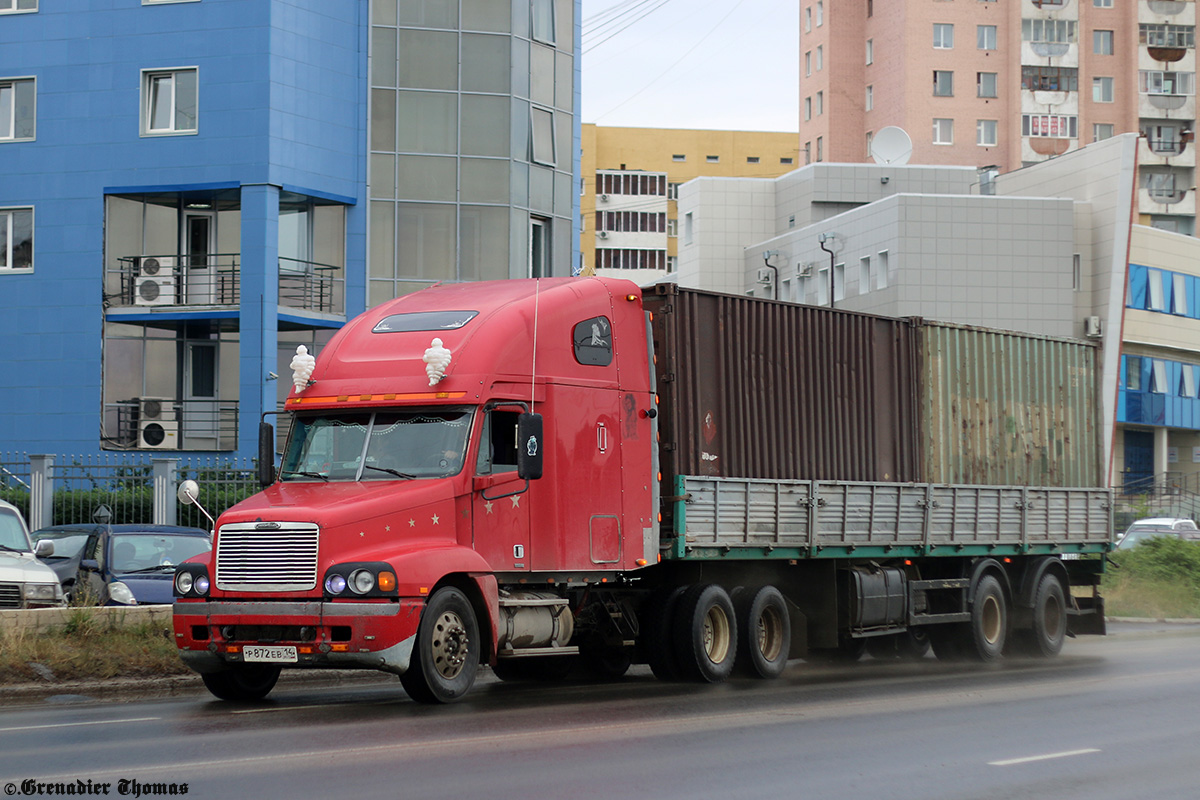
705	634
242	682
446	655
1045	638
986	632
764	631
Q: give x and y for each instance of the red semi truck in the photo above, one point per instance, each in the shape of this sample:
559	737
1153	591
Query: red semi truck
538	474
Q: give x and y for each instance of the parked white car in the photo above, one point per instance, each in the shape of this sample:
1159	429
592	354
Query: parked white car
1143	529
25	582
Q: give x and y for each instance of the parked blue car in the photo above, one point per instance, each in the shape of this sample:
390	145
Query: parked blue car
121	565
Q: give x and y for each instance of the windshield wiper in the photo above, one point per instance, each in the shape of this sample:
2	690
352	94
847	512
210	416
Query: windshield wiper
12	549
395	472
305	474
159	568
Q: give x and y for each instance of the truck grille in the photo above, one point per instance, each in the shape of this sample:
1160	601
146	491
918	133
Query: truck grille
10	595
251	558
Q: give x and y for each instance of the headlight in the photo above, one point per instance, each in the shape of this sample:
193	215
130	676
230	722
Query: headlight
184	582
335	584
202	584
362	581
120	593
42	592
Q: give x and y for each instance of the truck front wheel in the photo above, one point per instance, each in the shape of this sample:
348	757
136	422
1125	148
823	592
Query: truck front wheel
446	655
242	682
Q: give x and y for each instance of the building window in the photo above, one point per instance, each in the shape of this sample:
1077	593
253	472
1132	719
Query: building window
18	116
1049	79
1133	373
820	149
985	37
1167	35
1102	3
1174	83
787	160
820	13
679	157
543	21
807	109
943	83
1102	90
541	136
870	51
864	275
808	19
1160	185
985	84
673	227
17	6
943	36
1102	43
808	64
881	270
1049	125
870	99
16	239
1179	304
673	191
1048	31
839	282
712	159
751	159
1158	376
1156	296
1161	138
870	8
943	131
820	58
170	101
1102	131
985	132
820	103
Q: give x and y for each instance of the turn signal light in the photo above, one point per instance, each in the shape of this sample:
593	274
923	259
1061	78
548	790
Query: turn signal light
387	581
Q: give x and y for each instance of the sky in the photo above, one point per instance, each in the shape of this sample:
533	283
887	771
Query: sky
708	64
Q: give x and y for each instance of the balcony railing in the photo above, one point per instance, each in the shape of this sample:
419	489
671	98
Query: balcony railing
155	281
154	423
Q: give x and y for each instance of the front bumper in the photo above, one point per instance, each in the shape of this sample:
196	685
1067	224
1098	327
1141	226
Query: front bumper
210	634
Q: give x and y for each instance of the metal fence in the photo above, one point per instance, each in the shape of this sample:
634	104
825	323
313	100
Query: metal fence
120	488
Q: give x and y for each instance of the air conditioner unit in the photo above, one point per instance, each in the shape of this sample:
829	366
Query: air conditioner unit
766	276
155	282
157	428
602	234
1091	327
603	198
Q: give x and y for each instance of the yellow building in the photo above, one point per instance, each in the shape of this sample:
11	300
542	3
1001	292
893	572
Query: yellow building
630	177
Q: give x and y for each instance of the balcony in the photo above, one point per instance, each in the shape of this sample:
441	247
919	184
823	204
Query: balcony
153	423
1176	152
1166	201
173	280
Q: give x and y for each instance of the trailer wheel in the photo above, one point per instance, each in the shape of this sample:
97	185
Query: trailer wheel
242	682
764	631
657	625
1045	639
705	634
988	628
446	655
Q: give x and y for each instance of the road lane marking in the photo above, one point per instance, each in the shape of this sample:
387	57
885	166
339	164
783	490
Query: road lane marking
1046	757
78	724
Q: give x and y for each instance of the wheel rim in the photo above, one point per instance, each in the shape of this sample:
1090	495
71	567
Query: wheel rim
991	620
1052	617
450	645
716	634
770	634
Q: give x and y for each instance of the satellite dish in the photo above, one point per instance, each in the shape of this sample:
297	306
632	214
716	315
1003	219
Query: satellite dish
891	146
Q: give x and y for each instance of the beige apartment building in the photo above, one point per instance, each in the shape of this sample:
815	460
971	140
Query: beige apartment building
629	183
1006	84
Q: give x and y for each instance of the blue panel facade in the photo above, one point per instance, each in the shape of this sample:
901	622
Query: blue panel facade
280	101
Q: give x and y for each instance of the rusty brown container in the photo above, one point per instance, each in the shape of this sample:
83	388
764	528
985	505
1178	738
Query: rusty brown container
763	389
755	388
1004	408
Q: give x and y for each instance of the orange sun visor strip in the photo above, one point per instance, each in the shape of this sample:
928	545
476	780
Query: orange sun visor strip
363	398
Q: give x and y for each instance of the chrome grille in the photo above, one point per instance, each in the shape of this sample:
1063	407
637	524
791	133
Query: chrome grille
254	559
10	595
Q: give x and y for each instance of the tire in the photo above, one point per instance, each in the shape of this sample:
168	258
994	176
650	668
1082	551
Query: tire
946	642
446	655
705	634
657	626
245	682
606	663
988	628
1045	639
764	632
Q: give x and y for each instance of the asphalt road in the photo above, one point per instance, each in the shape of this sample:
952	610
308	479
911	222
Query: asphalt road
1114	717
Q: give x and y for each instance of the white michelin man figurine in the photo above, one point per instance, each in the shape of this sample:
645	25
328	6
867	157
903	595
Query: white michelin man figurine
302	368
437	361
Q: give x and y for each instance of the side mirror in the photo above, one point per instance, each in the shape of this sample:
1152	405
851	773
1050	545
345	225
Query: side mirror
266	454
189	490
43	548
529	446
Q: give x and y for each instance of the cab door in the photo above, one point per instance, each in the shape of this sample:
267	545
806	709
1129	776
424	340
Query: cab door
499	499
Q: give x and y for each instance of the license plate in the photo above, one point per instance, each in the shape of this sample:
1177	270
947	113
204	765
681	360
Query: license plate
271	655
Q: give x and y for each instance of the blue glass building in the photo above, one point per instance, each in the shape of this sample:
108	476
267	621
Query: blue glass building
189	189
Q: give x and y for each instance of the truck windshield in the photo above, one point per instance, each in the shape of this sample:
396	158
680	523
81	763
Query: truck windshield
377	446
